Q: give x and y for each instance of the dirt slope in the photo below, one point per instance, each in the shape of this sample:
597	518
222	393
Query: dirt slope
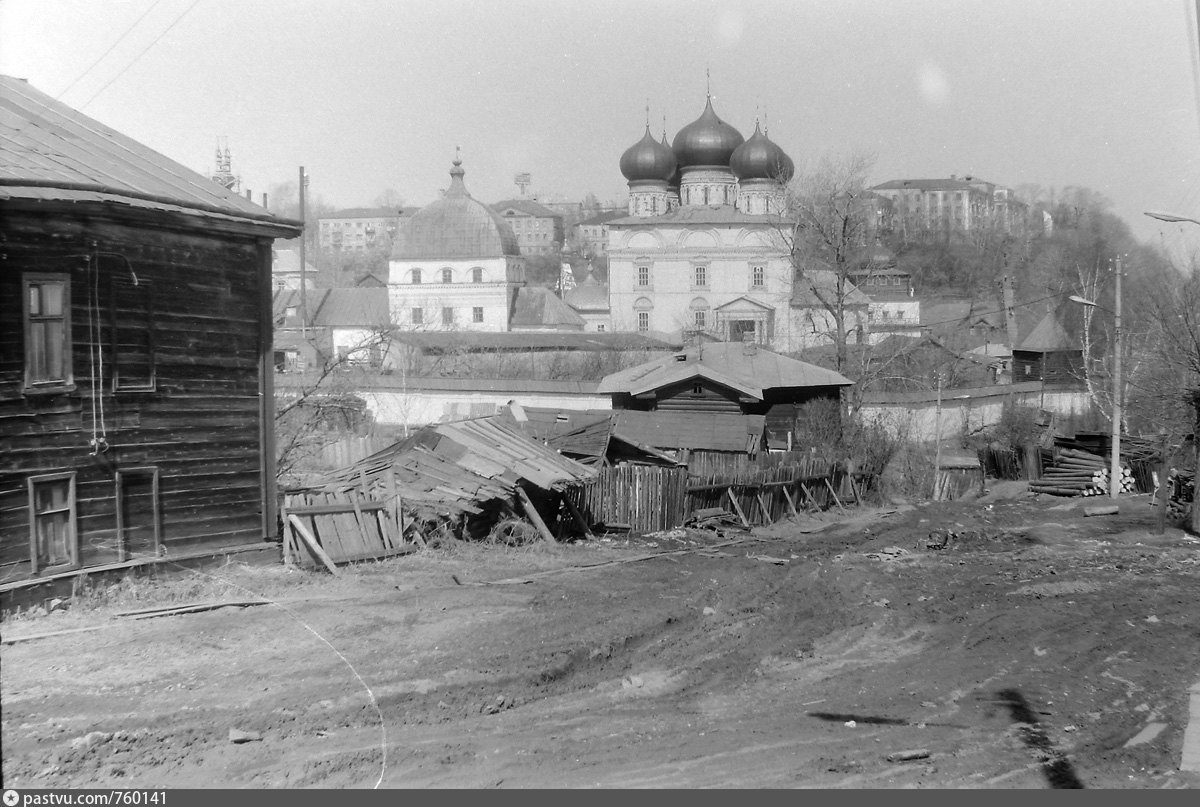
1028	652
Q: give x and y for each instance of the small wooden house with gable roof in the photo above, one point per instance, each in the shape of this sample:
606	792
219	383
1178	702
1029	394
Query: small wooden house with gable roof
723	379
1046	352
136	397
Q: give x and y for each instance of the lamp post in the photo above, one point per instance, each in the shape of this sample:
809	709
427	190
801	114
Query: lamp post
1114	472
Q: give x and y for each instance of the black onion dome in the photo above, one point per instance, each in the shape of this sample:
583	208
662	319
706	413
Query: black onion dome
760	158
673	180
648	159
708	140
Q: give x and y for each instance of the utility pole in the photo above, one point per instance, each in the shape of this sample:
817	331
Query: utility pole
303	264
1114	472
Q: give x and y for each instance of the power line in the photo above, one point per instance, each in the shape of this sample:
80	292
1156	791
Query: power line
111	47
140	55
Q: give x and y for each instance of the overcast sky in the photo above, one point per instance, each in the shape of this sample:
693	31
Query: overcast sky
369	95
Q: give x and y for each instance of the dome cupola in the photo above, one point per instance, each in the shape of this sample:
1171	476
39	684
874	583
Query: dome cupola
648	160
760	158
708	140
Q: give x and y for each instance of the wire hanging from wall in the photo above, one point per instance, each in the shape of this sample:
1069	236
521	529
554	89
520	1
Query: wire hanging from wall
99	441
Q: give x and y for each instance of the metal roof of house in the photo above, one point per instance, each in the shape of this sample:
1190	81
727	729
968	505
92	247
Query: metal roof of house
748	369
816	288
527	207
539	307
1047	335
360	307
51	152
706	431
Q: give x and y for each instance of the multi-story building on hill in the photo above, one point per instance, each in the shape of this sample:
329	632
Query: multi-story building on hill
591	234
952	205
539	230
361	228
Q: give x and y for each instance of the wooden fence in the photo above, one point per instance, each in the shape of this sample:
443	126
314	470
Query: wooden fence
642	499
637	498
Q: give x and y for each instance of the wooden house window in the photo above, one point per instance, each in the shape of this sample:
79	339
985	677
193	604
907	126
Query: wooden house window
138	524
52	536
47	327
133	335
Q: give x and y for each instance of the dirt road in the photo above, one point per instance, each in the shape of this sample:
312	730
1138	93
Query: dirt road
1037	648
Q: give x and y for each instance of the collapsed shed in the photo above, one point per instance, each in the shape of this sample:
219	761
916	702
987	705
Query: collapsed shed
465	478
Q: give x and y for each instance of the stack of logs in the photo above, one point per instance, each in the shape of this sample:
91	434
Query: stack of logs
1080	473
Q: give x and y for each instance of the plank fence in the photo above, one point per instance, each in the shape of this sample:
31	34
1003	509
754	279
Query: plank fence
643	499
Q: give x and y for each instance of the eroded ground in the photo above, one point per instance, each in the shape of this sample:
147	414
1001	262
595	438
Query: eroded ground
1038	648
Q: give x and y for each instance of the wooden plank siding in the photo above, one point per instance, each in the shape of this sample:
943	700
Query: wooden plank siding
202	425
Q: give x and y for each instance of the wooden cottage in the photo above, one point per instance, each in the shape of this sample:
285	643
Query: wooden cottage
722	380
136	402
1046	352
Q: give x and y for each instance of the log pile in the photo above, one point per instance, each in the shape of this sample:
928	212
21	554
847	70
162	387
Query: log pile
1076	472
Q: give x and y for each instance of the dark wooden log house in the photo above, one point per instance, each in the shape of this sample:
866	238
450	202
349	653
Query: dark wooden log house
136	401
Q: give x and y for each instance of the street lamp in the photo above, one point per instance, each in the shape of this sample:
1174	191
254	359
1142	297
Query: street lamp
1169	217
1114	467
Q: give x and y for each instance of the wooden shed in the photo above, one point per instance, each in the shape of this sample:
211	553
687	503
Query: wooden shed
136	402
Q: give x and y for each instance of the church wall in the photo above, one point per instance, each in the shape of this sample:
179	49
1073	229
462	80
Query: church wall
673	253
463	295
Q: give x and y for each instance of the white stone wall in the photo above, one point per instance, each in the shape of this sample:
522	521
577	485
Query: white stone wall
921	420
672	252
421	407
431	295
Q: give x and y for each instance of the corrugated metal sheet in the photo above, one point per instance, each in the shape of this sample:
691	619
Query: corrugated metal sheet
454	468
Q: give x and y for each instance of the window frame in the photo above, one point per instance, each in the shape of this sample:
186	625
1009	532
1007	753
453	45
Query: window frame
414	277
477	313
417	316
447	275
643	318
644	279
700	276
447	315
758	276
147	300
72	519
477	274
152	471
47	386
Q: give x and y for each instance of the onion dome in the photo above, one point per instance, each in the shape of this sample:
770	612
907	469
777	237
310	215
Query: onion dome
708	140
455	226
673	180
760	158
648	159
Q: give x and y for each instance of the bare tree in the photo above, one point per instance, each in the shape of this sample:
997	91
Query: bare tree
830	222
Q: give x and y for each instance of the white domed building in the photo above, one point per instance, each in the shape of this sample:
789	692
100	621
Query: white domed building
702	249
455	265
